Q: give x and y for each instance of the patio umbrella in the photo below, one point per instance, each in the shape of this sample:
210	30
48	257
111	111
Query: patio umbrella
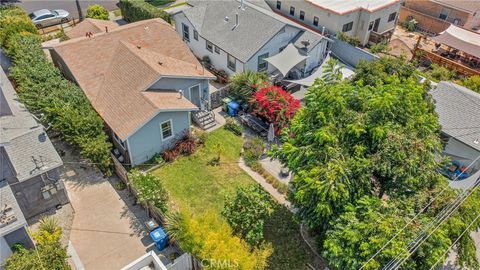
271	133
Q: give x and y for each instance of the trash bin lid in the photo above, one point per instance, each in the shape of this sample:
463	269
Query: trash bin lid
158	235
234	105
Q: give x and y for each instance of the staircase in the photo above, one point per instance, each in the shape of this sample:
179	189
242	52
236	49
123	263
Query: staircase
204	119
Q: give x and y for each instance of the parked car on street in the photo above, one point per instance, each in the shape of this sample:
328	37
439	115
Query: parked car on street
45	17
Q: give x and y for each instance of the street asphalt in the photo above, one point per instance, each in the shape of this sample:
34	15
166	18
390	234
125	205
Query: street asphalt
74	7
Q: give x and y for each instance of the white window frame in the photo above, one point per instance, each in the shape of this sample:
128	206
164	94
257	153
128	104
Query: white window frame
259	58
347	27
279	5
216	49
190	91
302	15
392	16
315	20
234	68
195	34
171	128
209	43
185	30
292	10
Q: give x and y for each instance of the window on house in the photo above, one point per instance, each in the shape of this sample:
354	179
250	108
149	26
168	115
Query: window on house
217	50
279	5
262	64
302	15
292	11
457	21
347	27
166	128
444	13
209	46
186	33
195	35
231	62
392	16
315	21
370	26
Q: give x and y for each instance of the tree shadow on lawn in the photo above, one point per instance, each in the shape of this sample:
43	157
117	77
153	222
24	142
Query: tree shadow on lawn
289	249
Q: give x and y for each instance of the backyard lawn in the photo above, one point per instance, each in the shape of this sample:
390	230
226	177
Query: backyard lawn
199	187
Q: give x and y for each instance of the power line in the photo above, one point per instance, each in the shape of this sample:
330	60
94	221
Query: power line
415	217
455	242
446	213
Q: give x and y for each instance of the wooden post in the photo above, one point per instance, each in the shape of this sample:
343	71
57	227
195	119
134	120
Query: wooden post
416	47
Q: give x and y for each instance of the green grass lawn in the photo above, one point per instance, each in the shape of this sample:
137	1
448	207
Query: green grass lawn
195	185
199	187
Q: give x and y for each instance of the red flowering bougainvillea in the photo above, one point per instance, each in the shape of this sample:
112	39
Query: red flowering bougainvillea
274	105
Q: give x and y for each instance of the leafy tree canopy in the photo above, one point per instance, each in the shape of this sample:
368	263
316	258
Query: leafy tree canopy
472	83
246	212
97	12
244	84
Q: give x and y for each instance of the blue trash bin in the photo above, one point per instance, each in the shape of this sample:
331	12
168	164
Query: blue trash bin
233	108
160	238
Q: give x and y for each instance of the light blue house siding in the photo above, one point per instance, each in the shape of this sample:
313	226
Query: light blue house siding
147	141
187	86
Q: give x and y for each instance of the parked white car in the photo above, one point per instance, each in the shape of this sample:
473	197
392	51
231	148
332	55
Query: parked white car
45	17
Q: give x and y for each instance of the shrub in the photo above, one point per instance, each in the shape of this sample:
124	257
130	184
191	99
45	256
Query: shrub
381	47
137	10
244	84
150	189
201	136
440	73
246	211
253	150
14	20
275	106
346	38
170	155
472	83
97	12
42	89
187	145
233	126
210	239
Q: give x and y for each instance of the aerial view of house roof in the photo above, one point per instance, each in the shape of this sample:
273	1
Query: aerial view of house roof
26	144
458	112
114	69
346	6
217	22
89	25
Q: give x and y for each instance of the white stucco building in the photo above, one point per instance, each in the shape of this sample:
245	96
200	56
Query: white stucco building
356	18
238	36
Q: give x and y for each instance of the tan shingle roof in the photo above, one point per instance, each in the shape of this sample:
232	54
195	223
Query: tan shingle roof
90	25
114	70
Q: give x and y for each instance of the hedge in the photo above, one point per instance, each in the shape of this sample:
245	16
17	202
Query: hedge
13	20
42	88
137	10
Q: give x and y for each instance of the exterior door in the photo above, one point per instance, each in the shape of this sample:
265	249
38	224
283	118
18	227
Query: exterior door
195	96
375	26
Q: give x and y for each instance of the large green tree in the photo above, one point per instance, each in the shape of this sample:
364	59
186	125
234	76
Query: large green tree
246	211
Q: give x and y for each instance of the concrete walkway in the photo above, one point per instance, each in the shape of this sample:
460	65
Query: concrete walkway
107	230
269	188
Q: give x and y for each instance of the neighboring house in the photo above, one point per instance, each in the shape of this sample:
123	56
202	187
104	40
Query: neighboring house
30	181
142	80
89	25
237	38
437	15
364	19
458	109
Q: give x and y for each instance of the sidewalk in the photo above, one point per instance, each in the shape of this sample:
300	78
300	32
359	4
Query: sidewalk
269	188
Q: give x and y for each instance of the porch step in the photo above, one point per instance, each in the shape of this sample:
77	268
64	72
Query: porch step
204	119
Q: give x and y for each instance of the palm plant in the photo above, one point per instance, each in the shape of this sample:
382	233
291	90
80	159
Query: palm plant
244	84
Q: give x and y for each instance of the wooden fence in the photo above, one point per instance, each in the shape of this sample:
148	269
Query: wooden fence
157	215
217	96
442	61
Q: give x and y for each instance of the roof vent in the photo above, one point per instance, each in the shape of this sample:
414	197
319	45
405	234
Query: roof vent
476	141
226	19
145	28
106	29
139	47
181	93
160	63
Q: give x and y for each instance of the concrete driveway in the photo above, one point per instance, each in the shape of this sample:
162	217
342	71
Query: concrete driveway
107	230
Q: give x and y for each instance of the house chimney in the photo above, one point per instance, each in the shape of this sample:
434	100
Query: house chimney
181	93
106	29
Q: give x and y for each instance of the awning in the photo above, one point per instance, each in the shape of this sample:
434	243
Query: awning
308	81
460	39
286	59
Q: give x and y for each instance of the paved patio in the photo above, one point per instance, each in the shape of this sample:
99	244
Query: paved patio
107	231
